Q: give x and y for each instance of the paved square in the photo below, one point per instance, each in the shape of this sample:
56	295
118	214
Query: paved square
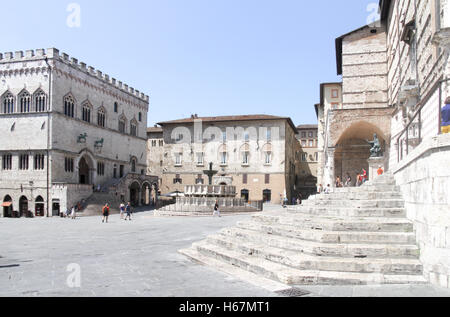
137	258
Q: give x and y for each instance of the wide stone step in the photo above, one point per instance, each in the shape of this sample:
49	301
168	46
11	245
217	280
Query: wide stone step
348	203
307	262
291	276
360	196
330	236
369	188
303	221
348	211
325	249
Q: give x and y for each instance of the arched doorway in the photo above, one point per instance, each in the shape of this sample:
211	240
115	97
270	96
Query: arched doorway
353	150
23	207
245	194
267	196
39	207
135	189
7	207
84	171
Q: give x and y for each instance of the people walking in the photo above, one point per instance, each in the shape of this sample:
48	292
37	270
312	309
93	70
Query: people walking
122	210
216	209
128	211
105	212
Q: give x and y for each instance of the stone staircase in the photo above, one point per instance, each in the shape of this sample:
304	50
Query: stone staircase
354	236
95	203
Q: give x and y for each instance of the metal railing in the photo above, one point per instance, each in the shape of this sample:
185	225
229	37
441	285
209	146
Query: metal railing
425	123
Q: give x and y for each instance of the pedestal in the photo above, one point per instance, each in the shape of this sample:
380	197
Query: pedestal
374	165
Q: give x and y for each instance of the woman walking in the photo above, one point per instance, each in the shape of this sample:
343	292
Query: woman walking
73	214
216	209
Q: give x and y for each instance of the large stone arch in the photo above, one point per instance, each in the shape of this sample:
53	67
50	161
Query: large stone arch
86	167
352	150
135	193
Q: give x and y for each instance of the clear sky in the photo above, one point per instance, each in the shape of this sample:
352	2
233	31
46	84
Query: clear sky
210	57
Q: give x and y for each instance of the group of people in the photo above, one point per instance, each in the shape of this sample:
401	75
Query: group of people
123	210
361	178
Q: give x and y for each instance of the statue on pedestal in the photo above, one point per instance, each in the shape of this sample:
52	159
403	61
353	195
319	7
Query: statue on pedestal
375	151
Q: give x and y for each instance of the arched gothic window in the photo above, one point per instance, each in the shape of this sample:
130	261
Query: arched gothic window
8	103
133	165
122	124
86	112
40	101
101	117
133	128
69	106
25	102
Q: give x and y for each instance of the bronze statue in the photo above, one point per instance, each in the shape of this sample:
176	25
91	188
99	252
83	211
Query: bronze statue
375	151
82	138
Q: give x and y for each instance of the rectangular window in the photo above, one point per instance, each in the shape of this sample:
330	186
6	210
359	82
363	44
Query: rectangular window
100	168
199	180
334	106
177	179
68	165
39	162
223	158
224	137
303	135
268	158
304	143
153	143
334	93
7	162
200	159
23	162
311	143
269	135
161	143
304	157
245	158
267	179
246	136
178	159
244	179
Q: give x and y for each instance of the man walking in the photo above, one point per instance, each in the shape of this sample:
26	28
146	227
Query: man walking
122	210
216	209
128	211
105	212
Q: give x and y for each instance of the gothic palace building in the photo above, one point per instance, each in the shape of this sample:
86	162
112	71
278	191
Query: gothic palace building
67	130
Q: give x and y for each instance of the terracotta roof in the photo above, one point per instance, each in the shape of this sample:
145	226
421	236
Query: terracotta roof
230	119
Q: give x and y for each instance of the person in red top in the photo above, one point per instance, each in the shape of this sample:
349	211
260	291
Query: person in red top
380	171
364	176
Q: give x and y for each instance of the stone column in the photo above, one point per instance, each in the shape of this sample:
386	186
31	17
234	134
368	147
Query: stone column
140	198
329	171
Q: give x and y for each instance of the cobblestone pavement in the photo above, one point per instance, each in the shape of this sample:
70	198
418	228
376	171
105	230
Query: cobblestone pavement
130	258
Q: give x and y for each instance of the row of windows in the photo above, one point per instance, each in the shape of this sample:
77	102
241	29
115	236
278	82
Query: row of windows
245	156
245	136
314	159
200	180
86	115
69	167
309	143
156	143
25	101
23	162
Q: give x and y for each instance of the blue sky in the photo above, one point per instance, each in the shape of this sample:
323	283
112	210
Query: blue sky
210	57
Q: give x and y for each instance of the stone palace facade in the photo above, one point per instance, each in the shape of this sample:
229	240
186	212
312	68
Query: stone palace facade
66	130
